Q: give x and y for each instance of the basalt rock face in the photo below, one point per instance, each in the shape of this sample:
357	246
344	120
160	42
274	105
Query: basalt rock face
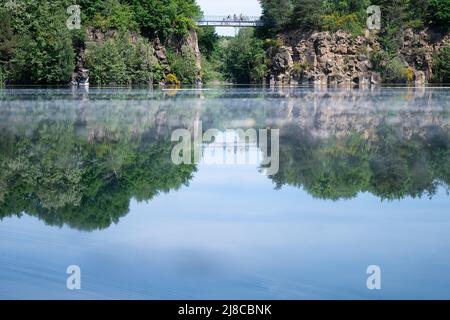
324	58
161	54
418	50
281	63
340	59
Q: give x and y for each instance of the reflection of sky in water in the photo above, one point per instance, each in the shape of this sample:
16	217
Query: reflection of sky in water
230	235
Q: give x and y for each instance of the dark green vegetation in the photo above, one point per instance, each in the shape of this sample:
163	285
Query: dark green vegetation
120	62
350	15
36	47
441	68
244	58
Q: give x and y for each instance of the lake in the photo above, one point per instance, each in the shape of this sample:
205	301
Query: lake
88	179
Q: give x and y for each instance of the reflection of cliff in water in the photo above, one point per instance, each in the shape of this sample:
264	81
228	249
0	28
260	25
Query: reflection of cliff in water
335	145
79	158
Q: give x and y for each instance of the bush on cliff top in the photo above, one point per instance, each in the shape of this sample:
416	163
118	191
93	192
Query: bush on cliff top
183	65
120	62
441	66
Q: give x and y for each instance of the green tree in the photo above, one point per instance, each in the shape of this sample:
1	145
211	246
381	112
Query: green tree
8	39
115	15
183	65
120	62
439	13
276	15
45	54
441	66
244	58
208	40
165	17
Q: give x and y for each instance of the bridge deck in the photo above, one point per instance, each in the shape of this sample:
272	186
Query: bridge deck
230	21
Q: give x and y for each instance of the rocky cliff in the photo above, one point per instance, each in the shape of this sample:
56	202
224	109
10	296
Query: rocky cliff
340	59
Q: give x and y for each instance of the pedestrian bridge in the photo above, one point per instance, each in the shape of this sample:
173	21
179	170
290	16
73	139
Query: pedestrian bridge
230	21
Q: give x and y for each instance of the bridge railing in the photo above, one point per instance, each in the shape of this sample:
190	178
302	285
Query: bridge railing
231	21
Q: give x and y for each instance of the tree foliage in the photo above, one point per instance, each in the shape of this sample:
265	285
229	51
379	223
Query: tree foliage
244	58
45	53
184	66
165	17
441	67
351	15
120	62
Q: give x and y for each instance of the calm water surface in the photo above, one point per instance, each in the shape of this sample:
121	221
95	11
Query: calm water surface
86	178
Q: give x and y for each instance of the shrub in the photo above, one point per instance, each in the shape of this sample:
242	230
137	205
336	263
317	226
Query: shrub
348	22
184	66
439	12
115	15
2	77
244	58
273	43
165	17
297	69
391	67
44	55
172	79
211	70
441	66
395	71
120	62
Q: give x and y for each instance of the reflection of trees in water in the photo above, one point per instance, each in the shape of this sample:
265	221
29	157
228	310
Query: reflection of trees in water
64	179
80	162
387	165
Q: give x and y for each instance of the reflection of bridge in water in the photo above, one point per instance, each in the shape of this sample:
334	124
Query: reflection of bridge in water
230	21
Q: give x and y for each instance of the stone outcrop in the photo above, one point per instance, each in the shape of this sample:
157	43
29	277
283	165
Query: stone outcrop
161	54
281	63
323	58
418	49
191	41
340	59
